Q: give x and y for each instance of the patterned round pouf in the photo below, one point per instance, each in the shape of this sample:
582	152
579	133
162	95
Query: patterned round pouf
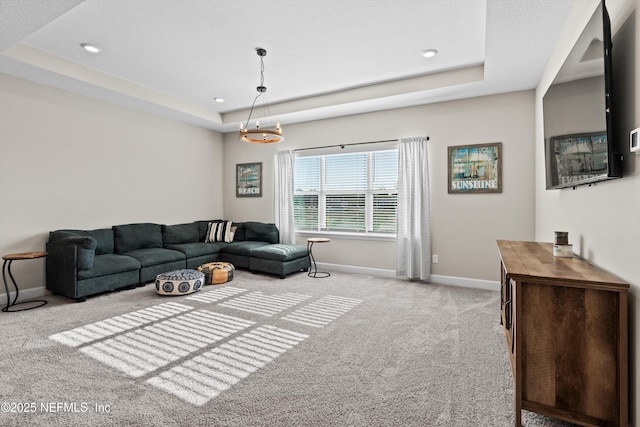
217	273
179	282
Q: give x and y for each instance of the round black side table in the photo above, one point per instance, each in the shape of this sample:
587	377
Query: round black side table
313	269
6	268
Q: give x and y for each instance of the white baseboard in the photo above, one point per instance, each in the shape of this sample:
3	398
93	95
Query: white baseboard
438	279
325	266
465	282
25	294
32	293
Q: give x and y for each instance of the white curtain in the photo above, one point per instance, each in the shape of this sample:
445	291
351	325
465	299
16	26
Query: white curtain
413	253
283	184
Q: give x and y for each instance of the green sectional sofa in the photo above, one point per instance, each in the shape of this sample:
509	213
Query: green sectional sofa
81	263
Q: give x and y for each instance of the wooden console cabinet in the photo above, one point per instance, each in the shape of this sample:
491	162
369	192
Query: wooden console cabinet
565	322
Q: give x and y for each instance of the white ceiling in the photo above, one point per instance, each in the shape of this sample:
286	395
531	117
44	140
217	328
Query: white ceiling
325	58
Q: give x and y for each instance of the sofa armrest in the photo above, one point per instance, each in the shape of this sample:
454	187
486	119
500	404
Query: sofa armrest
86	247
61	270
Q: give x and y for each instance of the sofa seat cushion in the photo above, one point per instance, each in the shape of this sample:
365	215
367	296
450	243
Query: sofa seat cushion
196	249
155	256
242	248
104	265
280	252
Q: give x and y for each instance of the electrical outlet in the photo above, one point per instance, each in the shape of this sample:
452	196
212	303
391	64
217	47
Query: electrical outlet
434	258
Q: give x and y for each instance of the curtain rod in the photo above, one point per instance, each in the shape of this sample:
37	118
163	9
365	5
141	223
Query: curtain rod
346	145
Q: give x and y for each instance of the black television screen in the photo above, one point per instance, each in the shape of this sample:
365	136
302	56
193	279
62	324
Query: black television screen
579	144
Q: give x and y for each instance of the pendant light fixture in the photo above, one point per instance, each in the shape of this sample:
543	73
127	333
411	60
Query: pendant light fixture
260	135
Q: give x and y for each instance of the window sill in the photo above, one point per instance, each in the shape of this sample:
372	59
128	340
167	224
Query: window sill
347	235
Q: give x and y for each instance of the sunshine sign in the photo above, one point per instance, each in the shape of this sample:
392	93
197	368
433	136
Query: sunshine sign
475	168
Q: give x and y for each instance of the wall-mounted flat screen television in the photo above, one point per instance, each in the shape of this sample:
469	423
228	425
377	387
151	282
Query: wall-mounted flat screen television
578	122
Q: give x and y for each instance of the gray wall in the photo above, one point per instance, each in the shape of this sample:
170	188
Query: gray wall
464	226
67	161
602	220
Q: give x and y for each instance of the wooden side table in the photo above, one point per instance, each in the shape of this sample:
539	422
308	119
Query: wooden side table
313	269
6	268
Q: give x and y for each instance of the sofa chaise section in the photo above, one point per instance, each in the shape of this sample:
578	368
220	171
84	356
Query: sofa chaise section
279	259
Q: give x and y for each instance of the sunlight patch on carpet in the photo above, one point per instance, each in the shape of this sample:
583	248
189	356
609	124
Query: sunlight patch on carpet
114	325
216	294
204	377
195	354
323	311
265	305
139	352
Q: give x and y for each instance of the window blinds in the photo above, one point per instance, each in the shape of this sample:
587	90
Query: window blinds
348	192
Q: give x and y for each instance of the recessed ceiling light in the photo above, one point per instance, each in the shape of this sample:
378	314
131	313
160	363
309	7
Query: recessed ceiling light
429	53
220	100
90	48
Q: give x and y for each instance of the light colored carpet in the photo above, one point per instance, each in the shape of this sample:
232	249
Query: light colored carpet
348	350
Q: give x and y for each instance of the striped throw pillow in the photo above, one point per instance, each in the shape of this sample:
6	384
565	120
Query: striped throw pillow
219	232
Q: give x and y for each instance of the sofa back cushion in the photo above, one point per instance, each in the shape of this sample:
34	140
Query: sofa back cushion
104	239
239	232
180	233
261	232
85	246
130	237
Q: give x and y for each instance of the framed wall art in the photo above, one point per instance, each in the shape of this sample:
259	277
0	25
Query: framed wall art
249	180
475	168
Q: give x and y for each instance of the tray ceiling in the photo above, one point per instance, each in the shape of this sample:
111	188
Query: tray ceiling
325	58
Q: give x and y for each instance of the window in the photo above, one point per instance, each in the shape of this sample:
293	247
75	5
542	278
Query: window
347	192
